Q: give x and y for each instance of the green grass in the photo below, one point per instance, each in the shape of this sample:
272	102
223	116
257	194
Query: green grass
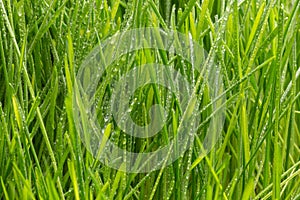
255	43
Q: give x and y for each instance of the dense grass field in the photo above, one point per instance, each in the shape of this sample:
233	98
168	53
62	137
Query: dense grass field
254	43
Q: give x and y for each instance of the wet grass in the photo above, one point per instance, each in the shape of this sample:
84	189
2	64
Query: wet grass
256	45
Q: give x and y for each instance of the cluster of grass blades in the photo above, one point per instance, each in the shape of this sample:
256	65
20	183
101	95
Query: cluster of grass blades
256	45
